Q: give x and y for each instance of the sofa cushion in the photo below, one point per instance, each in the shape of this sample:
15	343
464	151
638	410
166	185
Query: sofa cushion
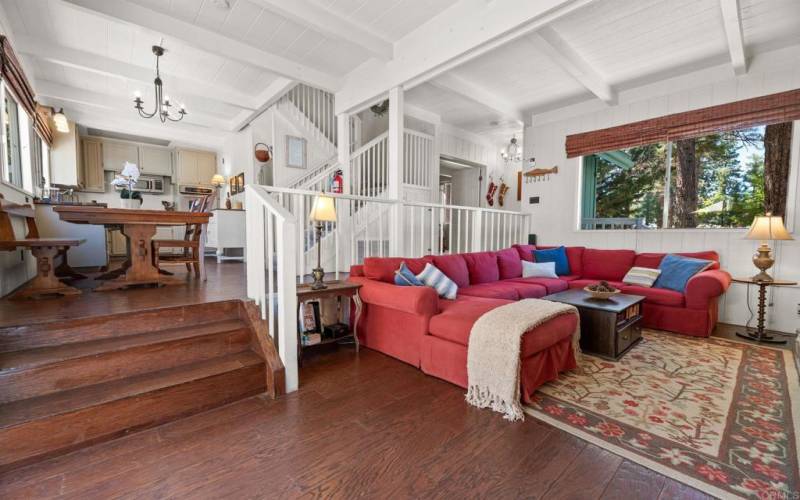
539	269
552	285
676	271
658	296
404	277
482	267
556	255
606	264
455	267
525	252
582	283
496	290
509	263
574	257
641	276
433	277
530	290
571	277
653	259
383	268
455	322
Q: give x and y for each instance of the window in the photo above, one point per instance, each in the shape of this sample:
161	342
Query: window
720	180
12	159
25	158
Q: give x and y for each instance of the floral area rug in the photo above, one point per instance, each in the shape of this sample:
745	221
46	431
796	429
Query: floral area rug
719	415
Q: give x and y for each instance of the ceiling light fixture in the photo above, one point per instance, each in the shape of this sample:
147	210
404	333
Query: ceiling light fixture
163	104
60	121
513	152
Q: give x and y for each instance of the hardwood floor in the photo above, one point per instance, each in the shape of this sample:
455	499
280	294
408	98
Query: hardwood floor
362	425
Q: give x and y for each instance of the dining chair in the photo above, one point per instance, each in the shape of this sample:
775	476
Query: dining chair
191	254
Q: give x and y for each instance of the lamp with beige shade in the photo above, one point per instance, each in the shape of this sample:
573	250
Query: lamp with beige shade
765	228
323	210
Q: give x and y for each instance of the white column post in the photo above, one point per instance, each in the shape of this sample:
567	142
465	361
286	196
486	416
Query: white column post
395	187
343	148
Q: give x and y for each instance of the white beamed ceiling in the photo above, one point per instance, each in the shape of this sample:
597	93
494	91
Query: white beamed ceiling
570	51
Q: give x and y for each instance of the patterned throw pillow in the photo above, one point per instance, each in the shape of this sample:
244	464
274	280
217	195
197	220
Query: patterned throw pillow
436	279
641	276
404	277
538	269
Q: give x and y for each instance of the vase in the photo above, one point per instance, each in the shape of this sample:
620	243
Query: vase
129	203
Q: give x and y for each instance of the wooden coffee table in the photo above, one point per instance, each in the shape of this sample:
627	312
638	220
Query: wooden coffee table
609	328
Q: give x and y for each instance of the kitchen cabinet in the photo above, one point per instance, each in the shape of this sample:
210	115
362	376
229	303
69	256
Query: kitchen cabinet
65	158
115	154
195	167
93	180
155	161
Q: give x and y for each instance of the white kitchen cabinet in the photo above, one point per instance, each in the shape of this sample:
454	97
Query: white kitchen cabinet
155	161
226	230
195	167
115	154
93	178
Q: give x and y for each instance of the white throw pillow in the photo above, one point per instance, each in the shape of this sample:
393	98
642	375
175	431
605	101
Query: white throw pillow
538	269
642	276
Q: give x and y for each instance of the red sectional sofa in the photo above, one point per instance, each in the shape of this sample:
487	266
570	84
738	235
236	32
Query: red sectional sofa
414	325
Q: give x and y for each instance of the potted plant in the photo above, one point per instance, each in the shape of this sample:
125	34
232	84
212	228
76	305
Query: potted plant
127	179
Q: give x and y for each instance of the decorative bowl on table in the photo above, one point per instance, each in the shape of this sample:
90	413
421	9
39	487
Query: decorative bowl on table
601	291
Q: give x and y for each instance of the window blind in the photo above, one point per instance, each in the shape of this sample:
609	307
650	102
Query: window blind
765	110
14	77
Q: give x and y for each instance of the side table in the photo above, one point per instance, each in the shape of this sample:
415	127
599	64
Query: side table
759	335
336	289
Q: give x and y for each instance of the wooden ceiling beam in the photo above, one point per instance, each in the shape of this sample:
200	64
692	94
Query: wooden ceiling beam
209	41
561	52
732	20
329	24
479	95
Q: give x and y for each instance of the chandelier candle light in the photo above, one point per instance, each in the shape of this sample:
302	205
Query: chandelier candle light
163	104
765	228
323	210
512	152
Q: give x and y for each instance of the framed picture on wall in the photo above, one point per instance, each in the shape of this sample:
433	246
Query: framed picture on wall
295	152
240	182
236	183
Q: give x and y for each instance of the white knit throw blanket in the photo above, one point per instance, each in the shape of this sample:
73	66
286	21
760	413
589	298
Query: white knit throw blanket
493	364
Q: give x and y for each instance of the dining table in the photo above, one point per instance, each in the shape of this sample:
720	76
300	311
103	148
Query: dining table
138	227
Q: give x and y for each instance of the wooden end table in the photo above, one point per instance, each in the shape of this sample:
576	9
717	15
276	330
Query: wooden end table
760	335
609	328
336	289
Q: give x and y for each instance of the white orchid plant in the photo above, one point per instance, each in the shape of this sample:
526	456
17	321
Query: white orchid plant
128	179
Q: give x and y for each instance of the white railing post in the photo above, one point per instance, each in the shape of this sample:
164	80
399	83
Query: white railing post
343	139
477	230
395	174
287	303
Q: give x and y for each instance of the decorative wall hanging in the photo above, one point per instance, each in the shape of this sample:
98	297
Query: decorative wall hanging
490	192
264	154
538	174
236	184
295	152
519	185
503	190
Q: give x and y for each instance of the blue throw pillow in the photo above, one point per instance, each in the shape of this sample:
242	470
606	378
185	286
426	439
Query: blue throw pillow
557	255
433	277
404	277
677	270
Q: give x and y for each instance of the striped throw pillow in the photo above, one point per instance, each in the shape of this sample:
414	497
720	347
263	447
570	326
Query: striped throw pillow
641	276
436	279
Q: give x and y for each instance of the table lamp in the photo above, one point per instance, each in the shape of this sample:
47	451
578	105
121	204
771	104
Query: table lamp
765	228
218	181
323	210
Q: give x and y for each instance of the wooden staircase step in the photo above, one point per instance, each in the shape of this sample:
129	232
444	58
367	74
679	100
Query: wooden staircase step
48	425
35	372
23	337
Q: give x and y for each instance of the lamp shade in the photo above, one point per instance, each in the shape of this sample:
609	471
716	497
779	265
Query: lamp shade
323	209
217	180
768	227
60	121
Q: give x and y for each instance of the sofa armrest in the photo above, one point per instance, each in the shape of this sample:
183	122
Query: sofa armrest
705	286
411	299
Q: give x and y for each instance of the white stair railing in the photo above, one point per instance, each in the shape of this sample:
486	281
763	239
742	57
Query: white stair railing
313	179
272	272
369	167
418	155
317	106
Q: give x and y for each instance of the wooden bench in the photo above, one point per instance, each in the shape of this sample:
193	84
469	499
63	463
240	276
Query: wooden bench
44	250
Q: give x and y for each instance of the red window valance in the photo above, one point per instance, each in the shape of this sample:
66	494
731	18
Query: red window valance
765	110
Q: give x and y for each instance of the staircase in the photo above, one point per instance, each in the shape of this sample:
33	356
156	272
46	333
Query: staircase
69	384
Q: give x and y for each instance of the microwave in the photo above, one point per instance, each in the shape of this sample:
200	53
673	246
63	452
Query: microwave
147	185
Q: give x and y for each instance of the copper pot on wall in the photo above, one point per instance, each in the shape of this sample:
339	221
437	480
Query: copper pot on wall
264	154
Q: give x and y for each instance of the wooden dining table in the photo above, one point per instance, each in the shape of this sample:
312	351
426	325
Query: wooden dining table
139	227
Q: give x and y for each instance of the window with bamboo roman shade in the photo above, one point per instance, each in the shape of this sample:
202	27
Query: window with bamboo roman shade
765	110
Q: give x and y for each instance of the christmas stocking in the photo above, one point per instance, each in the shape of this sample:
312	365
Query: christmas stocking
503	191
490	193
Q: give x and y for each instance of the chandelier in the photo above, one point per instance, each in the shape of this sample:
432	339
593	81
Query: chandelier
513	152
162	105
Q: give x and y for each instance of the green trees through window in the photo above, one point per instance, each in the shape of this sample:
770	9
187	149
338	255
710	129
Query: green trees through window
718	180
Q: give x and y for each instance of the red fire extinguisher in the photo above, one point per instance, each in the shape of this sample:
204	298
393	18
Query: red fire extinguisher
337	183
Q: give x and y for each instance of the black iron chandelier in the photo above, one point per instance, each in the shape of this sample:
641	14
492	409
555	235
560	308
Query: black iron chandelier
163	105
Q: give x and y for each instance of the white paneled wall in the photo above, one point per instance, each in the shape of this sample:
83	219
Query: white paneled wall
556	216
